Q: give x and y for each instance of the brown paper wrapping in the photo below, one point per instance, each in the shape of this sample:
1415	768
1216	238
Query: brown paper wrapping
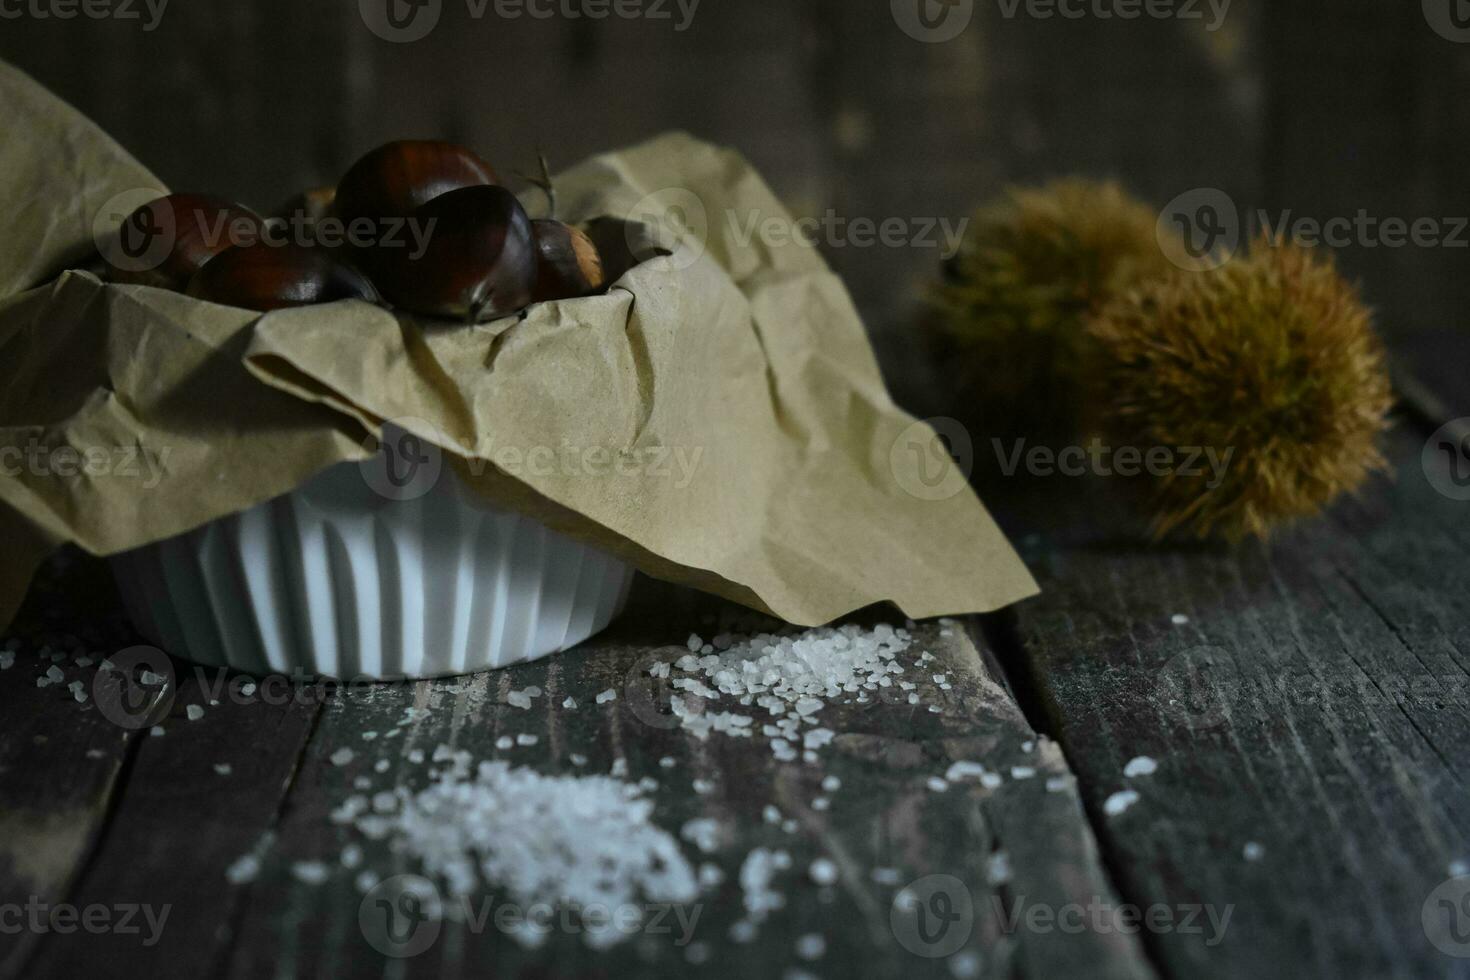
717	418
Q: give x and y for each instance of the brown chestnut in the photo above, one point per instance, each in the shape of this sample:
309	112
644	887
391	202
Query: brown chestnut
477	260
397	177
263	277
166	241
567	262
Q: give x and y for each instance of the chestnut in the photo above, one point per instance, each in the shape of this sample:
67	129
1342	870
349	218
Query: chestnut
477	260
261	276
398	177
166	241
567	262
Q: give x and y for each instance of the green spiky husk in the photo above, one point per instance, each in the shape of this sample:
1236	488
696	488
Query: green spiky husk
1273	355
1011	310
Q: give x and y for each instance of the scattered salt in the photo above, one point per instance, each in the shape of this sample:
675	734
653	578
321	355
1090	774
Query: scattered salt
194	712
1179	619
1140	765
823	871
243	869
606	696
702	832
309	872
811	946
1119	802
570	703
526	833
1252	851
341	757
223	768
998	868
965	965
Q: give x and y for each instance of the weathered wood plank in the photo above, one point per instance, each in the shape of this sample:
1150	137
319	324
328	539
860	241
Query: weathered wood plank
1314	703
176	823
60	761
882	816
162	823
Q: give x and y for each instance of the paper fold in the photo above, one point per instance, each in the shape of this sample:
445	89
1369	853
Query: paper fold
717	418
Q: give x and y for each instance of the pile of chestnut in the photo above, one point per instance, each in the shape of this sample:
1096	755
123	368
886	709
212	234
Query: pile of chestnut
429	229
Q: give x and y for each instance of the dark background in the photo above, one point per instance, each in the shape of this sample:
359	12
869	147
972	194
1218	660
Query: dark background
1324	107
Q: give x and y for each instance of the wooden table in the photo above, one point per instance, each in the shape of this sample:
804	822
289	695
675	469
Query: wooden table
1304	700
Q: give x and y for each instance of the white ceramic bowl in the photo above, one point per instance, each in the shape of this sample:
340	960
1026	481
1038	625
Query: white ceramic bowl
337	580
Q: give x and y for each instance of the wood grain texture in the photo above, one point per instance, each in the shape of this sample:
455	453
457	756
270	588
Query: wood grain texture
178	823
1314	703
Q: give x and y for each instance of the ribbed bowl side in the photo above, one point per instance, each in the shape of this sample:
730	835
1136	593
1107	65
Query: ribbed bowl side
333	581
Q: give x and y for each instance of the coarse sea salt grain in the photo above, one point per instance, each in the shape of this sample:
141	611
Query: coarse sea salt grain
1140	765
194	712
1458	867
310	872
341	757
526	833
823	871
1252	851
1179	619
811	946
243	869
1119	802
965	965
787	677
605	696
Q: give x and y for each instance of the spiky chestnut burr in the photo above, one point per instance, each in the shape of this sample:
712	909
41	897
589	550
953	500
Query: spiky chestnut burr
1271	357
1010	312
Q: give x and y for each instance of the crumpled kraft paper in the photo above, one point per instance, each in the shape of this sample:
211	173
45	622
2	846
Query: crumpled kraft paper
717	418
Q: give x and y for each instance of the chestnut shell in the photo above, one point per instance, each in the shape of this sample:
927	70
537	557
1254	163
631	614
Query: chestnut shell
568	264
271	277
198	226
478	261
399	177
